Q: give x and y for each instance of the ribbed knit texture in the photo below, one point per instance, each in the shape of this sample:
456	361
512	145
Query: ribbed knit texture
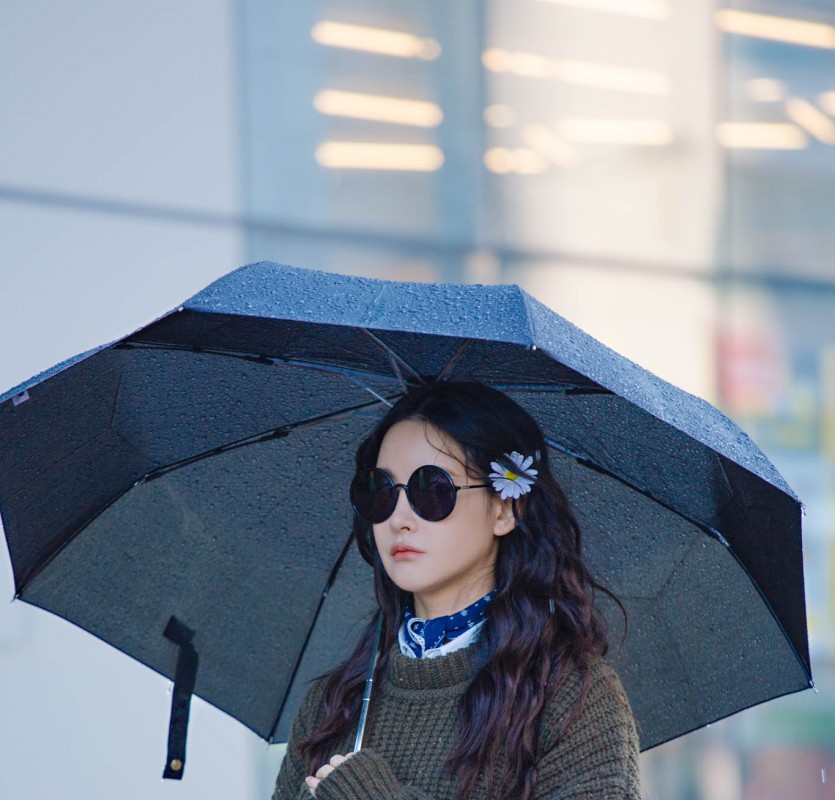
413	724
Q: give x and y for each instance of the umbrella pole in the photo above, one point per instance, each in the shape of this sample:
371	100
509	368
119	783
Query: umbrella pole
366	697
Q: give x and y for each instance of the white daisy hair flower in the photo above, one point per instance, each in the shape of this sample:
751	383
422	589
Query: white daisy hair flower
513	482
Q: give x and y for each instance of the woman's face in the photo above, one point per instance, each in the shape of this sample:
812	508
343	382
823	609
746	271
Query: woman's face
455	558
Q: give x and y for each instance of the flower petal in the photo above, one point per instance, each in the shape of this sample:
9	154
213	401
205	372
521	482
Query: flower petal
516	481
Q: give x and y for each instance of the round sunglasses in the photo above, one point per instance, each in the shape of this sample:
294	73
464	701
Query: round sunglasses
429	490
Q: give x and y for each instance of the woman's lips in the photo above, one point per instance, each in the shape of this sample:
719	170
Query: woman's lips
403	553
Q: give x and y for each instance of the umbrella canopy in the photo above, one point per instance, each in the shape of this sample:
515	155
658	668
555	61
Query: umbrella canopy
198	470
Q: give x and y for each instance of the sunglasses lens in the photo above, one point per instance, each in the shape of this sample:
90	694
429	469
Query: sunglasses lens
373	495
432	493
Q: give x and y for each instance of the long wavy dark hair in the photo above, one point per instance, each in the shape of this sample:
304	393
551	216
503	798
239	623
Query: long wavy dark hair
525	649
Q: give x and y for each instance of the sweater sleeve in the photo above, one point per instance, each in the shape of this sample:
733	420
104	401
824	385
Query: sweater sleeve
290	783
365	775
598	758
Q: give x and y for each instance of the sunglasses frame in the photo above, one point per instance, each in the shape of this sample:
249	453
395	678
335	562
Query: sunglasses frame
405	488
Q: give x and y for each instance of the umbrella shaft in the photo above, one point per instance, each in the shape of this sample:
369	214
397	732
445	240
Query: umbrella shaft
366	698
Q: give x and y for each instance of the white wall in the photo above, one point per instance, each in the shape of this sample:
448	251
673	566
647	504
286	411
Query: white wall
119	198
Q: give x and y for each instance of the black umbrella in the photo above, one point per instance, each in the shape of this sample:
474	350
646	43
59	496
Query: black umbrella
182	493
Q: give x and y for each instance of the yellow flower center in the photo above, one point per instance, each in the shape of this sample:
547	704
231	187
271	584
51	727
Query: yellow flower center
511	476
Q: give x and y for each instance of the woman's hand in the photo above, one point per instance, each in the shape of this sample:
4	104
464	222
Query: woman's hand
313	781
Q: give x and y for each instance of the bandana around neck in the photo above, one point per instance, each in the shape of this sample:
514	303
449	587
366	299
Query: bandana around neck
427	634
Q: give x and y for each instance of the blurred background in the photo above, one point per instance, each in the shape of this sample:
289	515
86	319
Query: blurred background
661	172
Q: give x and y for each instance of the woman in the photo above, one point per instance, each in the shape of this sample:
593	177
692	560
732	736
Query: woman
491	681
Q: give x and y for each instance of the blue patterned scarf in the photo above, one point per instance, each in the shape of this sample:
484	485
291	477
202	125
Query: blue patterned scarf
427	634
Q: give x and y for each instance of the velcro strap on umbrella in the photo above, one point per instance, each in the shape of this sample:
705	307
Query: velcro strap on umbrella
184	680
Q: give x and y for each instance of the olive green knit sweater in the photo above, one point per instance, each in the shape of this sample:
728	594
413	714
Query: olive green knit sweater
412	725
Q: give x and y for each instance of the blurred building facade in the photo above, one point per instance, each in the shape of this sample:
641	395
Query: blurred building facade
660	172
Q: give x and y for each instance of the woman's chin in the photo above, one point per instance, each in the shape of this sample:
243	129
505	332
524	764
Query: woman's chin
406	578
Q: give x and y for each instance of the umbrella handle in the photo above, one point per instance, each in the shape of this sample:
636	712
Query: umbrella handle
366	697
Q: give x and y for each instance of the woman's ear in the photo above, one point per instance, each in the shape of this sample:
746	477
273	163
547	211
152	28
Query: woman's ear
504	520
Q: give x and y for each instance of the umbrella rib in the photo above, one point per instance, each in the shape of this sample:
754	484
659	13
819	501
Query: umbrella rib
275	433
800	661
258	359
710	531
395	359
371	391
767	603
783	693
567	388
264	436
585	461
446	371
310	627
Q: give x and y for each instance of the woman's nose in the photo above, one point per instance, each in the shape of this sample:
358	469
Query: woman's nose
403	515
